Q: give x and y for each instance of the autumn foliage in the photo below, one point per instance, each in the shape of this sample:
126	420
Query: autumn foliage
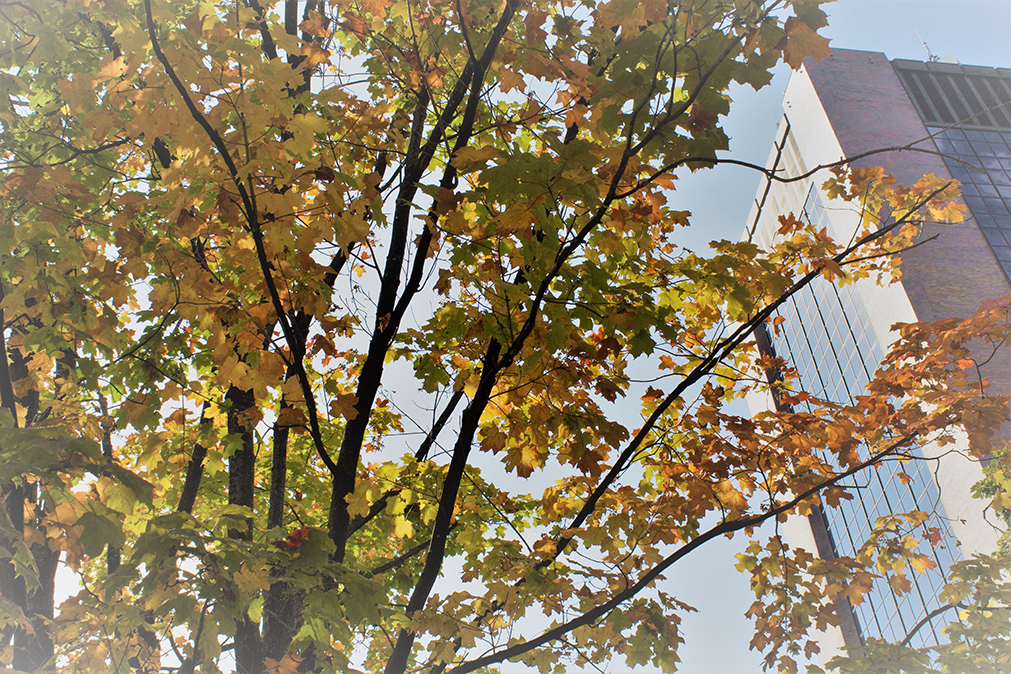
322	325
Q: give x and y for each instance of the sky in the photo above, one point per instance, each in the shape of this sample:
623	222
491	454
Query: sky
975	32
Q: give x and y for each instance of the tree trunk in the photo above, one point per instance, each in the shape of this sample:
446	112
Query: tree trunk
241	479
11	586
278	473
41	606
194	470
281	607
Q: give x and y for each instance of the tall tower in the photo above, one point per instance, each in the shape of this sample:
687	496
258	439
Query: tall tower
958	119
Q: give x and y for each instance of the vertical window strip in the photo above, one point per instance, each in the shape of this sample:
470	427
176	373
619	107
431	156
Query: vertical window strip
821	326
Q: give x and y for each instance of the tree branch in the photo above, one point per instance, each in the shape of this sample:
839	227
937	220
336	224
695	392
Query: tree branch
447	504
389	312
926	619
194	469
647	578
249	210
400	559
719	352
772	174
705	366
420	455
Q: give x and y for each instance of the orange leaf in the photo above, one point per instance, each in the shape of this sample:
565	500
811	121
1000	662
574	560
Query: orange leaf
295	539
291	416
375	7
789	224
315	55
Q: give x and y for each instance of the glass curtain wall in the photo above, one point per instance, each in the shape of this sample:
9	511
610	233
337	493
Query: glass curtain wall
981	161
827	336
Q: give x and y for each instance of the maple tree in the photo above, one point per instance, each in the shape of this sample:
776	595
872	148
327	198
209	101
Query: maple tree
248	243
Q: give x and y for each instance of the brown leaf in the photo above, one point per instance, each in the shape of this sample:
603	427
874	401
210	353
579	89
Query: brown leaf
228	207
800	41
325	174
446	200
194	23
701	120
344	405
291	416
315	24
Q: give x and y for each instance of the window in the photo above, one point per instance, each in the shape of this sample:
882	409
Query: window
827	335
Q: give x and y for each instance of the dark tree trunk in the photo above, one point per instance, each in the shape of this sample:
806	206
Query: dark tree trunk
281	607
278	473
194	471
241	483
11	586
242	463
282	610
41	606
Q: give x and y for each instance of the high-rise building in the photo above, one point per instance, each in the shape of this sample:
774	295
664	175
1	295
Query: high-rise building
958	119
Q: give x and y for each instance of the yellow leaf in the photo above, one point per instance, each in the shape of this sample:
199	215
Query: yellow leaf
831	269
921	563
466	158
402	527
249	580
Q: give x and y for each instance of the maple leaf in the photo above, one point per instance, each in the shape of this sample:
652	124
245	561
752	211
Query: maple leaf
294	540
194	23
325	174
800	41
652	394
900	583
701	120
344	405
291	416
788	224
315	24
375	7
315	55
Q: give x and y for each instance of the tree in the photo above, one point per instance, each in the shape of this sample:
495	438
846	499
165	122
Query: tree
245	249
